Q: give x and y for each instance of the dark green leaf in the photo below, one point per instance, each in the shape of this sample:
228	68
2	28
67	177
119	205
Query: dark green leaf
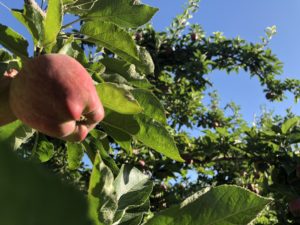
121	138
13	41
37	197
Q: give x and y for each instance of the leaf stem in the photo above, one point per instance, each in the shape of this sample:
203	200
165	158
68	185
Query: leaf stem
35	144
5	6
34	5
69	24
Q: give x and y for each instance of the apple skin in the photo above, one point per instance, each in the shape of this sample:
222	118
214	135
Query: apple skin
294	207
55	95
6	114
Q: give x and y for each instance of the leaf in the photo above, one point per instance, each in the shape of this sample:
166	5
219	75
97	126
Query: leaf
124	123
294	138
13	135
121	138
44	151
53	23
134	216
156	136
133	190
221	205
120	12
5	59
145	63
32	20
151	105
102	146
101	194
116	98
75	154
112	37
145	130
289	124
128	71
13	41
37	197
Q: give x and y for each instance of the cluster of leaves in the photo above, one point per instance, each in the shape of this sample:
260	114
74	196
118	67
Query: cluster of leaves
135	119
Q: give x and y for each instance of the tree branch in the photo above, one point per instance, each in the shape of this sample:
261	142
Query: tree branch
34	5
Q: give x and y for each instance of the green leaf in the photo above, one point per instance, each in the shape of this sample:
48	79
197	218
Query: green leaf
75	154
5	59
135	215
44	151
289	124
133	189
116	98
152	106
37	197
13	41
145	63
128	71
121	138
102	146
101	193
112	37
13	135
124	123
32	20
156	136
120	12
53	23
145	130
219	206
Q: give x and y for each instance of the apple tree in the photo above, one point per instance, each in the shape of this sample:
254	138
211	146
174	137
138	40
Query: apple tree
150	86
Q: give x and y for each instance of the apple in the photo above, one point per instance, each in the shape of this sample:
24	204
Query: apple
194	36
6	115
55	95
294	207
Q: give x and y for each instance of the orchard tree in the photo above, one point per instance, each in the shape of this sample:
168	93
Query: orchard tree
150	85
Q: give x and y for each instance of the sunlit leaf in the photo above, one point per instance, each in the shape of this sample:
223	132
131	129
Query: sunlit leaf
53	23
116	98
32	20
75	154
13	135
218	206
101	194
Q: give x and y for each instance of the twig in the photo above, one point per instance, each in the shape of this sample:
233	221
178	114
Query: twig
34	5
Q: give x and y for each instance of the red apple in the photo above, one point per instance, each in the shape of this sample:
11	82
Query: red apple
55	95
294	207
6	115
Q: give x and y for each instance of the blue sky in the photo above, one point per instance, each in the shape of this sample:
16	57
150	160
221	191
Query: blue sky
245	18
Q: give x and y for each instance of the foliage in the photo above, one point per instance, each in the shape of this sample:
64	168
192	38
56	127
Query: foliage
151	85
